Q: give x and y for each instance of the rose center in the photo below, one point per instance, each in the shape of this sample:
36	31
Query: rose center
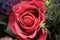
28	21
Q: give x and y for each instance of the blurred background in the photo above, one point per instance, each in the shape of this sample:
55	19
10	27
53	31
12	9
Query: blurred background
52	19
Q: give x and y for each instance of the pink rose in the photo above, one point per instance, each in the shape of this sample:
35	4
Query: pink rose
25	19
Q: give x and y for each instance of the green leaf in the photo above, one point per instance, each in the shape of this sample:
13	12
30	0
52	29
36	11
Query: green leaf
3	22
0	1
53	20
9	32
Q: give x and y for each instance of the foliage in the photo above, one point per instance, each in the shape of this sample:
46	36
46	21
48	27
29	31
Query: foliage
53	20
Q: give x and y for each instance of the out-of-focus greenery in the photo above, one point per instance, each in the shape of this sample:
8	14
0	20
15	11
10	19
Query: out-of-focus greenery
3	22
53	19
47	2
0	1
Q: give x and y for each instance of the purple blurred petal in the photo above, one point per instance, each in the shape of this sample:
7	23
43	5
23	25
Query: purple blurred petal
7	5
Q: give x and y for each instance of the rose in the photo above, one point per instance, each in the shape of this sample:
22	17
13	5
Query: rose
25	19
